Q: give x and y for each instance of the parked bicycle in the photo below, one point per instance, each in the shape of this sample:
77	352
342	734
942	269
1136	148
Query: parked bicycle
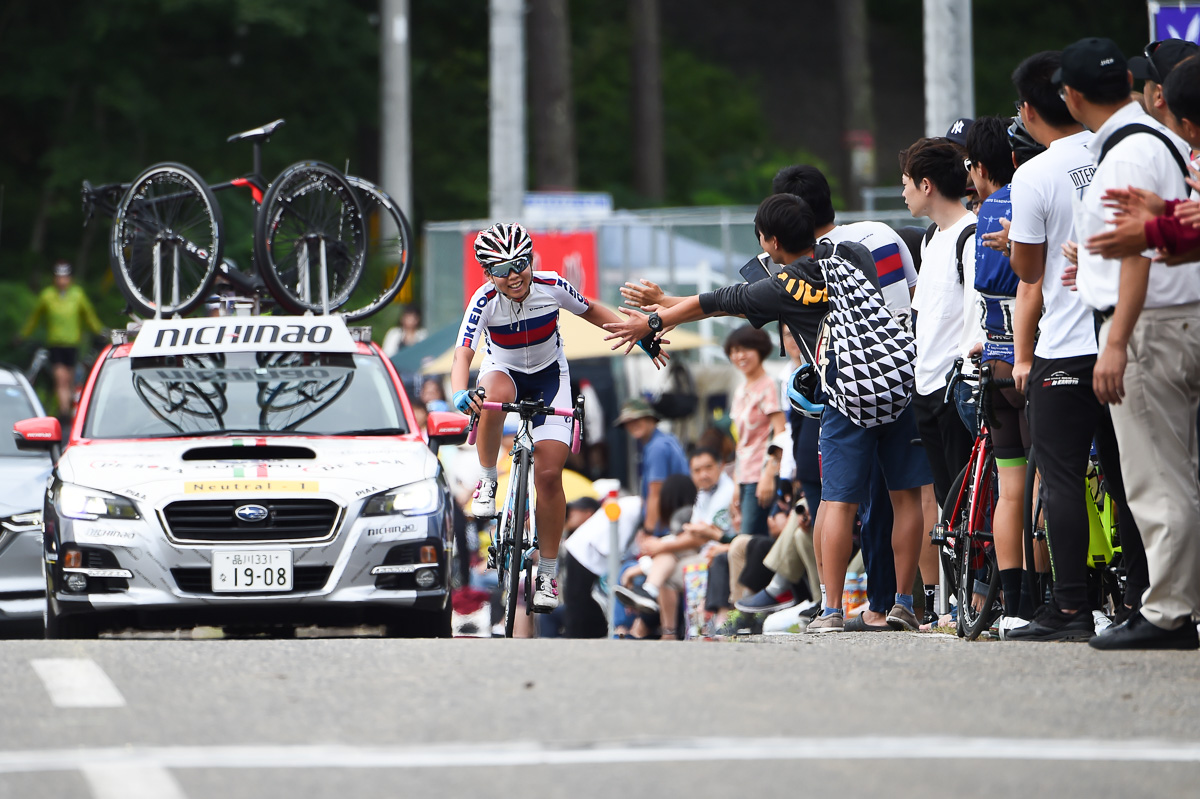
516	540
312	243
964	534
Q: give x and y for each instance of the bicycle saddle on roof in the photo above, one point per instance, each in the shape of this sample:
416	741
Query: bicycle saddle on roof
257	134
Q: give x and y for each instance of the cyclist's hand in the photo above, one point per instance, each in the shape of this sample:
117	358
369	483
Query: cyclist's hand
1188	212
1070	251
1020	374
628	332
1108	376
649	293
1164	257
467	401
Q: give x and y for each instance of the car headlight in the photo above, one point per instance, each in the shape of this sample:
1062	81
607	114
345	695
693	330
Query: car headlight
415	499
77	502
22	522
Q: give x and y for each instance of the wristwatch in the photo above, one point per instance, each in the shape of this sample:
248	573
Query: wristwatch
655	321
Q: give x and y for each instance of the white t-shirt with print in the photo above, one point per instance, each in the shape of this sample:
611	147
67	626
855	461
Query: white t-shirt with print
945	331
1044	189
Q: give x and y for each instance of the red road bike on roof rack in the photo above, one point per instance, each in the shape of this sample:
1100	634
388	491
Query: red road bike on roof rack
322	240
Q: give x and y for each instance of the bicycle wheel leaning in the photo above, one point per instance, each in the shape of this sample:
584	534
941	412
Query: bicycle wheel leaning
389	252
310	239
952	525
515	518
1037	554
167	240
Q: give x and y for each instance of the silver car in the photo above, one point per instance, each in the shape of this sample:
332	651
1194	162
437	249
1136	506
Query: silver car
233	485
23	476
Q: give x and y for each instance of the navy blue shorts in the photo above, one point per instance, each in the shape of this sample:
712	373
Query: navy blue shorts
552	386
848	453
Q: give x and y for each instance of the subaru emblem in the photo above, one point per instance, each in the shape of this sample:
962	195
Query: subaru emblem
251	513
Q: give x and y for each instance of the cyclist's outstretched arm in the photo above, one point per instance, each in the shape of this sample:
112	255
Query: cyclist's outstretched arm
601	316
464	399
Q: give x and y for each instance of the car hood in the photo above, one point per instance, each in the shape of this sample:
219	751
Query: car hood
24	481
161	470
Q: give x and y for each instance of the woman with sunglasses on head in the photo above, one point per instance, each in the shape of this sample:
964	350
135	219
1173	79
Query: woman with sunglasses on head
514	317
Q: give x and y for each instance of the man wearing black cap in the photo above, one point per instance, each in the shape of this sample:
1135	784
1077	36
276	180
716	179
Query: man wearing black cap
1148	368
1153	66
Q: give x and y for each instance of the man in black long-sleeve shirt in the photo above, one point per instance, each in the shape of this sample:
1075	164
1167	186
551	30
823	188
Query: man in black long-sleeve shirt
796	295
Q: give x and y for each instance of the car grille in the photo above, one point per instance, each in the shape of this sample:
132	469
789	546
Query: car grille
287	520
304	578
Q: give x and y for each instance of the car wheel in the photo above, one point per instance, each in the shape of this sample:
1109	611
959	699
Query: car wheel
422	624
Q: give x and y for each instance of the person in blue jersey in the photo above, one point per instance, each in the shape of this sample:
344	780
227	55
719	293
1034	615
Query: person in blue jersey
513	316
990	166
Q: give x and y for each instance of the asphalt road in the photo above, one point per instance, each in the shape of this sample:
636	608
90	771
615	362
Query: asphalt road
863	714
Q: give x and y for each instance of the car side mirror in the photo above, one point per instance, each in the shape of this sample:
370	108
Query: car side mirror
39	433
446	428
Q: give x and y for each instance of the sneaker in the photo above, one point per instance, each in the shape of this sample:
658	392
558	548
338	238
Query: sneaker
483	501
545	598
901	618
636	598
1051	624
762	602
1102	622
1009	623
929	618
833	623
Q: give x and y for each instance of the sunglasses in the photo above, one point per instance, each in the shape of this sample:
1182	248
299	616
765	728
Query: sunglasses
967	164
1062	93
517	265
1019	105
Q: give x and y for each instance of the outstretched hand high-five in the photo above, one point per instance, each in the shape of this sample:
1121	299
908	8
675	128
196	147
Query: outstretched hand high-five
632	330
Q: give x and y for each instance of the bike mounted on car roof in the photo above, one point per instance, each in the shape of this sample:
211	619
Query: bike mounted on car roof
323	241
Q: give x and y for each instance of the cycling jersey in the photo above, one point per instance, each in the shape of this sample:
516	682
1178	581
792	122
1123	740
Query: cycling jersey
520	335
995	280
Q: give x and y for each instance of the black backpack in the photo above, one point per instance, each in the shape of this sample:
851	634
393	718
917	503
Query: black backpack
678	398
966	233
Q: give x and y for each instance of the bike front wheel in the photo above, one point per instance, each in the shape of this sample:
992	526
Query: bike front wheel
309	239
389	252
976	557
167	240
518	479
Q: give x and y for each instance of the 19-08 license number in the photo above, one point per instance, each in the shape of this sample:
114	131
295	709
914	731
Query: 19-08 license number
252	570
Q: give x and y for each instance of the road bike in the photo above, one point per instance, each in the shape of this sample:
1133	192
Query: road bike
516	538
322	240
964	533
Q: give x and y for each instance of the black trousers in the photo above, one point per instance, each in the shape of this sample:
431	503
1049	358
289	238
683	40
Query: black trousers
946	440
1064	417
584	618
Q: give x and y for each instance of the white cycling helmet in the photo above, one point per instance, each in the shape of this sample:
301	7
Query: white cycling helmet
502	243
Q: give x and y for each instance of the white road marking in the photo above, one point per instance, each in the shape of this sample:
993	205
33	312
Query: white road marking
77	682
131	781
486	754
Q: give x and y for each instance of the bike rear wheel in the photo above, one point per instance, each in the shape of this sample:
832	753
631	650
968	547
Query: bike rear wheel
389	252
1037	554
167	240
309	238
518	481
954	523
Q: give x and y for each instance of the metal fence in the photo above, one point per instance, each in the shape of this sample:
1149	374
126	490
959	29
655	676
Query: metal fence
685	250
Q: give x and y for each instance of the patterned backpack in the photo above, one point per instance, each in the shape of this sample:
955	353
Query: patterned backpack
873	354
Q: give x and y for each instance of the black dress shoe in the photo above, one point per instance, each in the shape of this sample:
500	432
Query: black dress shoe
1137	633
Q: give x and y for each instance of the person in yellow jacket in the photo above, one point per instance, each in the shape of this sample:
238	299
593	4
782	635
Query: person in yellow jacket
65	309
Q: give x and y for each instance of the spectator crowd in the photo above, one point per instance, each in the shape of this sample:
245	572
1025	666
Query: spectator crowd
1063	260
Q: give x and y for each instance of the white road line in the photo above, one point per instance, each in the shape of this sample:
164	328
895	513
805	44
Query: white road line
77	682
131	781
485	754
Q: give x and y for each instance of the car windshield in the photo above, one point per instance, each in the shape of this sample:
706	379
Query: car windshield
245	392
14	406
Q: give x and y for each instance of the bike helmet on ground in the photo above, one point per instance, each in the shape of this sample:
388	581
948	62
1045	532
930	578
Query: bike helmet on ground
802	389
502	243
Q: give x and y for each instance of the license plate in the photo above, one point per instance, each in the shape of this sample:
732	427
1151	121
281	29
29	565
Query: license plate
252	570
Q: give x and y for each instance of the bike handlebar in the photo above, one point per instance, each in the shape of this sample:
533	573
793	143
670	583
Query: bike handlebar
527	409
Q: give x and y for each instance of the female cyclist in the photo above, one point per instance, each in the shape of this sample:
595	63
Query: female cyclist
514	317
